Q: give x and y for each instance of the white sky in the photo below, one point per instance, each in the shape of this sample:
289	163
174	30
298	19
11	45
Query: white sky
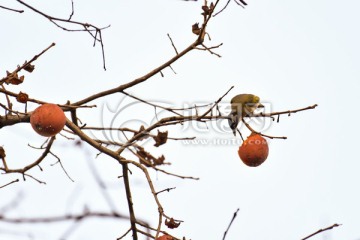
291	53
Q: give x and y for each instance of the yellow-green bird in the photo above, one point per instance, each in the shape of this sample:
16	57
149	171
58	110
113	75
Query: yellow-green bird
242	105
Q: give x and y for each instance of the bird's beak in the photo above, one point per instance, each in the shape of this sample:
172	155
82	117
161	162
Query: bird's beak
260	106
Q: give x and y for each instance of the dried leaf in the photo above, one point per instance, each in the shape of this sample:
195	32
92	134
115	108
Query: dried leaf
2	152
160	138
13	78
160	160
145	157
206	10
195	29
172	223
143	135
30	68
149	160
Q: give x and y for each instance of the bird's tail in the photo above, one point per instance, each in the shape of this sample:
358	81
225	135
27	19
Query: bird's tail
233	120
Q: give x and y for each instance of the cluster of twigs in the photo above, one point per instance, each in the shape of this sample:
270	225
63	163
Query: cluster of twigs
143	159
307	237
92	30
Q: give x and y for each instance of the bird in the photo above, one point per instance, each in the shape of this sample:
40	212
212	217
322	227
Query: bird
242	105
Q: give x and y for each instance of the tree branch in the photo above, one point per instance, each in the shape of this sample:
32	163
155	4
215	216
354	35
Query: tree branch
321	230
232	220
86	27
11	9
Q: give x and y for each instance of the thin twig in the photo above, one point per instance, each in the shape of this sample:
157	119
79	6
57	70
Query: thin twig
268	136
72	10
124	235
232	220
67	217
165	190
221	10
34	178
172	43
129	200
288	112
11	9
150	74
36	163
216	103
86	27
209	49
14	181
61	165
29	62
151	104
321	230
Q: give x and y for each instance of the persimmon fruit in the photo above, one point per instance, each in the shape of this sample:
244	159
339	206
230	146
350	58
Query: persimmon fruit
165	237
48	119
254	150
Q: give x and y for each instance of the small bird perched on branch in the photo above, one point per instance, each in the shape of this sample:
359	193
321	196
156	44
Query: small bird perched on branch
242	105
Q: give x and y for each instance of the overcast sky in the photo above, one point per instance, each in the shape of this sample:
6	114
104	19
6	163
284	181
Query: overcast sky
292	54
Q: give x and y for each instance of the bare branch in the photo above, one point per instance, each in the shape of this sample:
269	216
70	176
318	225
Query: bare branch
216	103
172	43
241	3
69	217
209	49
26	64
253	131
124	235
322	230
32	177
232	220
86	27
11	9
36	163
165	190
129	201
61	165
155	71
151	104
288	112
14	181
72	10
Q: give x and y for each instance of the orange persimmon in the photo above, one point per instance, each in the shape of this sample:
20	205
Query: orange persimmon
254	150
165	237
48	119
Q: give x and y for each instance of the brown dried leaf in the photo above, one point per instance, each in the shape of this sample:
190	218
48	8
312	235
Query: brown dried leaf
145	157
195	29
30	68
13	78
206	10
160	160
2	152
160	138
143	135
172	223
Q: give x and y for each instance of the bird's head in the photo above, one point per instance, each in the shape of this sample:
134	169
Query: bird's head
255	99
